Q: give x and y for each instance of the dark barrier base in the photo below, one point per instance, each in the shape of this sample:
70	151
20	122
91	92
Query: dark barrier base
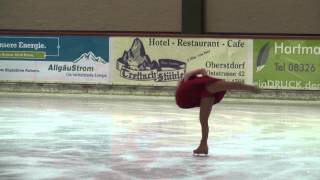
102	89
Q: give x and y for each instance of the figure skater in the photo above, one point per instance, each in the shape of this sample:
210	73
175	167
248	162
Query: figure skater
197	89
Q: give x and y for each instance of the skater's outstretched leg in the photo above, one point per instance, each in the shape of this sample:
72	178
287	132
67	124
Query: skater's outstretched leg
205	110
227	86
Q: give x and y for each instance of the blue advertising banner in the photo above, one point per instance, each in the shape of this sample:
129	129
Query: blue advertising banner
55	58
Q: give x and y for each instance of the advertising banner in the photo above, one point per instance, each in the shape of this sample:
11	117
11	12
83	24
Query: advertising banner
159	61
67	59
287	64
164	61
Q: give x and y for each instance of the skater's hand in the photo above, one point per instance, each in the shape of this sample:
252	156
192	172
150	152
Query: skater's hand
195	73
204	72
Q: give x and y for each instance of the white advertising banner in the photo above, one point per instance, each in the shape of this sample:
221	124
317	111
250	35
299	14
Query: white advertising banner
163	61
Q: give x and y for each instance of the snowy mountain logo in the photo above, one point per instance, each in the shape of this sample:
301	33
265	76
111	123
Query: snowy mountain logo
89	58
135	64
137	59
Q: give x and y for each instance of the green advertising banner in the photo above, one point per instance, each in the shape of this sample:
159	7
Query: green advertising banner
287	64
164	61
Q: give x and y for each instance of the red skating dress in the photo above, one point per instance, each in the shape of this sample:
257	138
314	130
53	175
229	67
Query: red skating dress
190	92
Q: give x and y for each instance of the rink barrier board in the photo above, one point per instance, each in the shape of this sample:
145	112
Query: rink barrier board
152	91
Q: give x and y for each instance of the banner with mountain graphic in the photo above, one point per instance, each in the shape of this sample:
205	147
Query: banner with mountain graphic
164	61
287	64
67	59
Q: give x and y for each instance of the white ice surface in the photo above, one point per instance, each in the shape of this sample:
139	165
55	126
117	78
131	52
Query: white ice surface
97	137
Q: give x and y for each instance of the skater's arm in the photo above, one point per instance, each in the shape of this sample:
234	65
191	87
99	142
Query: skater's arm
194	72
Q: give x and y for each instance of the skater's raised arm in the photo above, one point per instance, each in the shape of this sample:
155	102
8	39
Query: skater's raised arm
194	72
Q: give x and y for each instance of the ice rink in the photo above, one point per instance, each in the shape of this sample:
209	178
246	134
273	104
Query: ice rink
105	137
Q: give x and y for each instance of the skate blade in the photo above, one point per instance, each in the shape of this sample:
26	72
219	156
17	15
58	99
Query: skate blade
200	155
